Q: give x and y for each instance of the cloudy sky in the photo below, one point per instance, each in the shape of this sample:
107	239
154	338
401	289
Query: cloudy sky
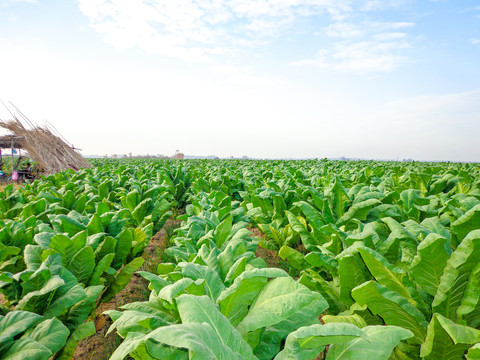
263	78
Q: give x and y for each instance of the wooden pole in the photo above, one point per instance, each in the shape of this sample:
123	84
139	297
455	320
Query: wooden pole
12	154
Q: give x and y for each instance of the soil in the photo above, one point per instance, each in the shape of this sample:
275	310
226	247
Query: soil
101	346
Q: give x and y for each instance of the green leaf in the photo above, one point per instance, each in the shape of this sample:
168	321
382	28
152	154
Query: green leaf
379	268
278	300
222	231
100	268
454	281
352	273
354	319
307	342
16	322
379	345
82	264
313	216
140	211
27	348
83	331
427	266
79	312
200	309
358	211
122	279
202	341
132	199
235	301
35	300
474	352
213	284
123	248
50	333
295	258
468	222
338	198
95	225
393	308
447	340
73	296
171	291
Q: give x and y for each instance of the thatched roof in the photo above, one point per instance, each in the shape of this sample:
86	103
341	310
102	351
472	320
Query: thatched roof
47	149
10	141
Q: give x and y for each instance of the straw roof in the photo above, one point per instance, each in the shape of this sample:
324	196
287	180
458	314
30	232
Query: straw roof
47	149
10	141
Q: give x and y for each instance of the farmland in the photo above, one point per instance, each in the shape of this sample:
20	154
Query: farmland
311	259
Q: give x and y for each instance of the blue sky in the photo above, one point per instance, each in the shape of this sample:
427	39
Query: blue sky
265	78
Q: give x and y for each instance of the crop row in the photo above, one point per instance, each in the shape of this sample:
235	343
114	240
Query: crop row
381	259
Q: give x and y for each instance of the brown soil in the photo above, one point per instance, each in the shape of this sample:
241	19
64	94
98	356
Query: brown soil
101	346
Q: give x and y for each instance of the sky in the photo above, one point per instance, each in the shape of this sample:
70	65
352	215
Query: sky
392	79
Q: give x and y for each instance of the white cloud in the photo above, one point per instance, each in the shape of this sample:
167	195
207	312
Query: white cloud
365	47
351	30
166	26
379	5
12	2
359	57
475	41
170	27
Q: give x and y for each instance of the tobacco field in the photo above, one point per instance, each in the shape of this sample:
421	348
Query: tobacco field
361	260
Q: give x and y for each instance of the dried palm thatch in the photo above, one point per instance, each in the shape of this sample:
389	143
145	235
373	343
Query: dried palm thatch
49	150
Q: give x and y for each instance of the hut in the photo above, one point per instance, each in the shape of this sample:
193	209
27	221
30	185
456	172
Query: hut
47	149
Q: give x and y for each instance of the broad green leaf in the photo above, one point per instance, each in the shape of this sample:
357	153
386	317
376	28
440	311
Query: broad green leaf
454	281
123	247
407	241
307	342
100	268
427	266
447	340
79	312
235	300
82	264
379	268
27	348
358	211
213	284
222	231
468	222
61	304
128	345
122	278
50	333
278	300
474	352
338	198
35	300
295	258
354	319
202	340
313	216
200	309
171	291
95	225
393	308
380	342
351	272
16	322
83	331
